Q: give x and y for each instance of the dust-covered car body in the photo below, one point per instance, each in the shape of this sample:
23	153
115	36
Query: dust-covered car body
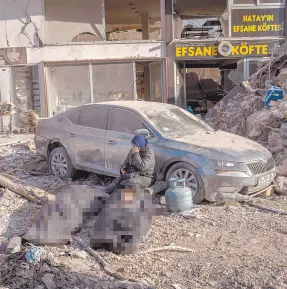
97	138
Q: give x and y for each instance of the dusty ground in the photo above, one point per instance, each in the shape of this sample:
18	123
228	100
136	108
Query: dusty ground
235	246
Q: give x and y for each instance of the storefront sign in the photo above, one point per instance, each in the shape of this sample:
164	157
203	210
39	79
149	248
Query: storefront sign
257	22
13	56
223	49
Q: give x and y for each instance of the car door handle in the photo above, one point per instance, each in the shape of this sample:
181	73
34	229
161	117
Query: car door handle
112	142
72	135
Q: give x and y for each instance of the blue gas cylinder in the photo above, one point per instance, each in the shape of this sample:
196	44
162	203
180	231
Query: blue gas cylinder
178	197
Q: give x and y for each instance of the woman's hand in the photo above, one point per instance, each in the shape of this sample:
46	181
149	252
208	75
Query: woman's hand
135	149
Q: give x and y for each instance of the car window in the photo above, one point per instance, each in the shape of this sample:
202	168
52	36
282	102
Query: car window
175	122
94	117
74	117
124	121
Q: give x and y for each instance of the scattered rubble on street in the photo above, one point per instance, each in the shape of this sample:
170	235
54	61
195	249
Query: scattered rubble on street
213	246
7	108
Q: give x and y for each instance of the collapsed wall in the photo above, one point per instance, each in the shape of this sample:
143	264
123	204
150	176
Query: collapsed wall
244	113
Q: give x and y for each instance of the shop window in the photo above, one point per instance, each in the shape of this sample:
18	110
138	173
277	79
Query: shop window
94	117
155	82
242	2
22	94
124	121
68	86
270	2
113	81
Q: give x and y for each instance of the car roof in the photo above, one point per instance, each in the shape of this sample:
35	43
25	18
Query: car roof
135	105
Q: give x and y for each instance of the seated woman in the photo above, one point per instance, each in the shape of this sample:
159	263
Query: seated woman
138	167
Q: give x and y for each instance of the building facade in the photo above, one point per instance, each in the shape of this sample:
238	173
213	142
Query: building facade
56	54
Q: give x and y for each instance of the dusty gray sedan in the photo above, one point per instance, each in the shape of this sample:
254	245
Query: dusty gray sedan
97	138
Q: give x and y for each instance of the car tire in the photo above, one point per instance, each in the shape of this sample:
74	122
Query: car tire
60	163
196	183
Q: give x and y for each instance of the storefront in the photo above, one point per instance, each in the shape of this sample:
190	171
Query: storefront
73	84
19	84
207	71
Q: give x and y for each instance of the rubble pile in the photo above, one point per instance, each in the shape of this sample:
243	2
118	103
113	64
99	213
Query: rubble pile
35	267
30	118
247	114
7	108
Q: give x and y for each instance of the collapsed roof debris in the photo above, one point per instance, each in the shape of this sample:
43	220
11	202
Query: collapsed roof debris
247	110
31	118
7	108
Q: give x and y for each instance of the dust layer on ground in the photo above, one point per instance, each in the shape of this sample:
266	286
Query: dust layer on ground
235	246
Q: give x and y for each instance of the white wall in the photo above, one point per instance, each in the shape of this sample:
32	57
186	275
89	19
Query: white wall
21	22
65	19
5	93
98	51
5	84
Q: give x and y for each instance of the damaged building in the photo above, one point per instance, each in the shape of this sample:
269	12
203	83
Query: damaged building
55	55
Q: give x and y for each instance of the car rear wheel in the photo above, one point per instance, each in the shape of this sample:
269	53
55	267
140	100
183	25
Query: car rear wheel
192	178
60	163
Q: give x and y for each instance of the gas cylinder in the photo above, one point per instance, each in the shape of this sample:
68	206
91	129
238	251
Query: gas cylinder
178	197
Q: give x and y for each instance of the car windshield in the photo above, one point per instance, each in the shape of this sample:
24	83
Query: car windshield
176	123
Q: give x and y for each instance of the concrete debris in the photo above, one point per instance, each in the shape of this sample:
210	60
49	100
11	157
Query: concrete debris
281	185
160	270
30	119
14	245
48	281
79	254
3	244
244	113
7	108
39	287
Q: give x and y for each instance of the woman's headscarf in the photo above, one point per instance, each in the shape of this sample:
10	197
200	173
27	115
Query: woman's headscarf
140	141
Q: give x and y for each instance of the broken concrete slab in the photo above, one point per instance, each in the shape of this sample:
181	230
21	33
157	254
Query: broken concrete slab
3	243
39	287
14	245
79	254
274	138
245	113
282	76
48	280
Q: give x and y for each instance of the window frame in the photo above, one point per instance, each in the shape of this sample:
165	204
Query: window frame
240	5
91	106
70	113
145	125
270	4
256	4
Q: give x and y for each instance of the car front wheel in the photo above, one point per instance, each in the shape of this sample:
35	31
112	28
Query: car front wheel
192	178
60	163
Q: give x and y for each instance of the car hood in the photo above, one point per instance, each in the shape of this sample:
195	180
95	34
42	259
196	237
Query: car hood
220	145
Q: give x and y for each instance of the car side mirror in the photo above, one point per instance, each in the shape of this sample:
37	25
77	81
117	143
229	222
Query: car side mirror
143	132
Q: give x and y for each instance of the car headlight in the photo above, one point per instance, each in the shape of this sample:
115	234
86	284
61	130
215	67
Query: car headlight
228	166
